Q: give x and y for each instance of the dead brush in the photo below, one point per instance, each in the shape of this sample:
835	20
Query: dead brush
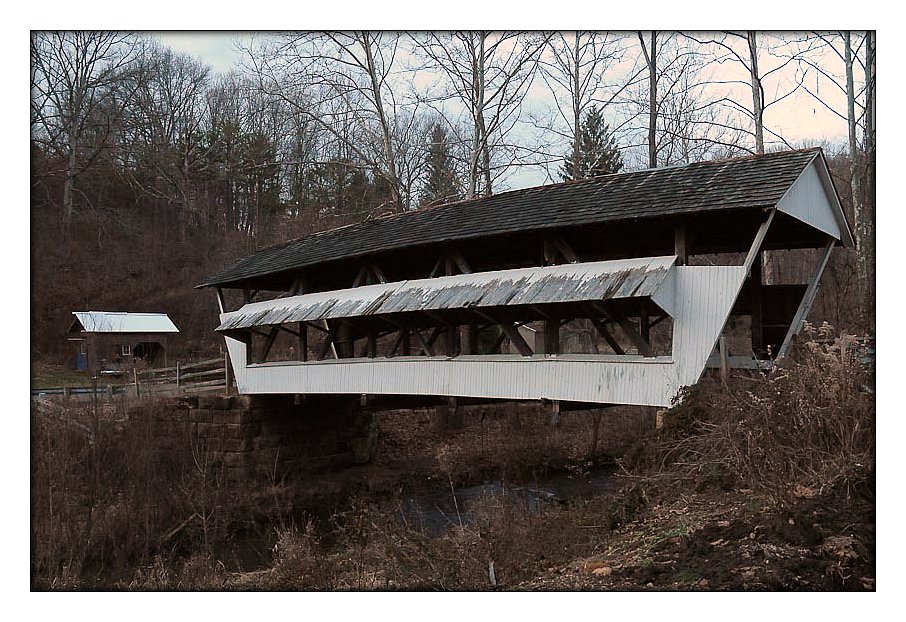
811	423
301	561
112	508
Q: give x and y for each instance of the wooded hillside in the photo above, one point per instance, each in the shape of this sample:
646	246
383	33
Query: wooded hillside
149	171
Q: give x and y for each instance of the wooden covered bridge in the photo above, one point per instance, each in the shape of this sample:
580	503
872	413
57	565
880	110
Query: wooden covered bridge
612	290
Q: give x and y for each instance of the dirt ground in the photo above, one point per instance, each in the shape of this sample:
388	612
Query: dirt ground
734	541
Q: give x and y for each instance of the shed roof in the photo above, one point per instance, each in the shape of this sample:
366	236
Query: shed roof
122	322
743	183
602	280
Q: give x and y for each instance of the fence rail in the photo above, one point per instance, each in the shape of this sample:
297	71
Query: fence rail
192	377
207	375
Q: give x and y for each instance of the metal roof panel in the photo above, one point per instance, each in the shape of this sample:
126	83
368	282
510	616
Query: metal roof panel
524	286
121	322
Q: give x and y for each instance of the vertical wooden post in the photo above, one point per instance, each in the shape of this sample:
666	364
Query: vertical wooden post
471	338
756	302
451	334
344	344
644	323
552	336
553	412
680	248
406	342
66	393
303	341
226	371
177	377
372	344
724	371
135	377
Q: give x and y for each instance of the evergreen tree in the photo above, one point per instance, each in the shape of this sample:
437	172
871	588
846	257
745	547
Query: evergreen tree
442	184
598	152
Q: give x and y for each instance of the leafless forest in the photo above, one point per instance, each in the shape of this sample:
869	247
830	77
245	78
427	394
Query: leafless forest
149	170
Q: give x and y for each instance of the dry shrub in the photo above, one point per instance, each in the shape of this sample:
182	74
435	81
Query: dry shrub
301	562
500	542
811	423
114	503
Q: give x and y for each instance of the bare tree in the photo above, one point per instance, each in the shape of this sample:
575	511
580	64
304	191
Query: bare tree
346	81
75	101
650	54
163	128
489	74
574	65
747	50
855	52
681	121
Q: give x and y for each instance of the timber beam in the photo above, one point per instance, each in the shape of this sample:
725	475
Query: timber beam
632	333
449	259
806	305
556	249
369	274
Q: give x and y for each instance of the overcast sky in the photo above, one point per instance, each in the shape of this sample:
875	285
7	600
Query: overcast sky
799	118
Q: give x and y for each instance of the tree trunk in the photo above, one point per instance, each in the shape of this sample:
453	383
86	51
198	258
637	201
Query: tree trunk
477	103
485	141
652	102
757	98
389	159
867	256
767	257
577	111
851	123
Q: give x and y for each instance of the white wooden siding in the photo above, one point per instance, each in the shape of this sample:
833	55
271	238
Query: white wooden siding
703	298
808	201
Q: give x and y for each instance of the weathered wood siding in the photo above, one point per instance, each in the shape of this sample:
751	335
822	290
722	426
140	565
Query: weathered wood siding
602	280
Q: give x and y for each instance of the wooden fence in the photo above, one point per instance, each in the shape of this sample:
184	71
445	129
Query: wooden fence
194	377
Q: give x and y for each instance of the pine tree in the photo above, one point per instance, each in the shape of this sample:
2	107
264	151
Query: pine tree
442	184
598	153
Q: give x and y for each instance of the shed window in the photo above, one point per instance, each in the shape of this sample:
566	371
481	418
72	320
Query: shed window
127	350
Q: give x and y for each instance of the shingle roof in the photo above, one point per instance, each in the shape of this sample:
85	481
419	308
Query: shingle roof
742	183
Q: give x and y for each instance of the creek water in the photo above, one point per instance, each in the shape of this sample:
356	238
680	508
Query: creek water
437	512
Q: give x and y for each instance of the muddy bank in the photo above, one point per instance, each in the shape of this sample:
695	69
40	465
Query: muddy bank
736	540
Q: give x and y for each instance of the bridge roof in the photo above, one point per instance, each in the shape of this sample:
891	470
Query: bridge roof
593	281
754	182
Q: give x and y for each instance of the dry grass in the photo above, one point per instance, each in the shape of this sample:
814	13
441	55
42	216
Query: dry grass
810	423
114	508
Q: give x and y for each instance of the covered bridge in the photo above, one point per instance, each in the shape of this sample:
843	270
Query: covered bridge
611	290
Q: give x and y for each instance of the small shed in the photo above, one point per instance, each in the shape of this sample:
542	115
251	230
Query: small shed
117	341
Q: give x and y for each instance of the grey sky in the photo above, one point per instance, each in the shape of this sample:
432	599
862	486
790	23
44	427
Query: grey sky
799	118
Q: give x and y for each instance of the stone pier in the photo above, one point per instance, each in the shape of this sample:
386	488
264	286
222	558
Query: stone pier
266	434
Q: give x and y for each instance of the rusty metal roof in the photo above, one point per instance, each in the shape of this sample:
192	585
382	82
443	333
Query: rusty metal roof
743	183
602	280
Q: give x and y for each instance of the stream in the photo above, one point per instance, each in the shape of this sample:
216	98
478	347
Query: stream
436	513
